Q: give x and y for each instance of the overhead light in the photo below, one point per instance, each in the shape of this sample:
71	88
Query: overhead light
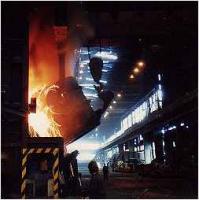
81	72
174	144
83	52
105	70
171	128
85	62
159	77
163	131
106	55
90	95
136	70
89	79
102	81
132	76
140	64
106	114
114	102
119	95
86	84
111	107
81	65
182	124
141	137
107	64
89	87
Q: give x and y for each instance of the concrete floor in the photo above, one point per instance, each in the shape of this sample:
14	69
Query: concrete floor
131	185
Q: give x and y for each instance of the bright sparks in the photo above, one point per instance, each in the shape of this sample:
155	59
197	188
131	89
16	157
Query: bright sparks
42	123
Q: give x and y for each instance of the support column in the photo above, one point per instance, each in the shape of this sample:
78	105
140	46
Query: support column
148	148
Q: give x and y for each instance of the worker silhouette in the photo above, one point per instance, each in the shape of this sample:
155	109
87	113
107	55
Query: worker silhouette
106	172
71	175
96	188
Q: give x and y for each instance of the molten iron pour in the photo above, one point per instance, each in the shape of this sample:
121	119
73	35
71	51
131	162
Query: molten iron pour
64	110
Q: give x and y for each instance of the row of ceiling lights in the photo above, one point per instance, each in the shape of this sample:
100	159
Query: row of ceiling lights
137	69
119	95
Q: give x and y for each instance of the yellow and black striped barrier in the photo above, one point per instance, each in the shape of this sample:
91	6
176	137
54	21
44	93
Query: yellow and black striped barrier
55	168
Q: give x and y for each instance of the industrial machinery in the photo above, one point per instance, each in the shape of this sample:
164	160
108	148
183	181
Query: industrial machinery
43	107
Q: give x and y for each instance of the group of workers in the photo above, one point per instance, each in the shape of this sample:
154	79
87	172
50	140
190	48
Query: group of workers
72	183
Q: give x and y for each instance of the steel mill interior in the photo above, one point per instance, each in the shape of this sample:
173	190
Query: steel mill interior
99	99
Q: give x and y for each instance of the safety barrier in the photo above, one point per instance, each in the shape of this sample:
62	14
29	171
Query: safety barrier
55	169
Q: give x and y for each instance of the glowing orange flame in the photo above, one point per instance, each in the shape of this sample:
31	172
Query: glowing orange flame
62	109
42	122
43	72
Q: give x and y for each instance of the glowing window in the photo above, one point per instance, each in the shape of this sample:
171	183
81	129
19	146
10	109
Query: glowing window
129	120
141	138
160	95
109	154
153	150
159	77
122	125
125	124
135	142
153	102
142	148
163	145
132	118
174	144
